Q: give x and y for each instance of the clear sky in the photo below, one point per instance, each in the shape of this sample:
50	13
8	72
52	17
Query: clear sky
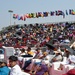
29	6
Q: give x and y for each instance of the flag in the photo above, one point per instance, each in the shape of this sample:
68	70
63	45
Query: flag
70	11
45	14
15	16
56	13
63	14
39	14
27	15
52	13
32	15
73	12
66	12
59	12
18	17
23	18
35	15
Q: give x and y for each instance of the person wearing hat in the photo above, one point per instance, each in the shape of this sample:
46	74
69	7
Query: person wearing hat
37	64
57	57
4	70
44	55
15	68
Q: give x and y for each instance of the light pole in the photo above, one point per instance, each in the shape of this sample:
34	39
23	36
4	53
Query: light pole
10	11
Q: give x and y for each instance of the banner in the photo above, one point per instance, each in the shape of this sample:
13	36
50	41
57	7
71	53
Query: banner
44	14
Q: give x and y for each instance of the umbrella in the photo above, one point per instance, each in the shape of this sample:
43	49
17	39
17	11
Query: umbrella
19	32
69	49
50	46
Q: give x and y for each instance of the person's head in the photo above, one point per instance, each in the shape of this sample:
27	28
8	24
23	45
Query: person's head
66	50
38	50
22	50
45	53
3	62
13	61
29	49
67	53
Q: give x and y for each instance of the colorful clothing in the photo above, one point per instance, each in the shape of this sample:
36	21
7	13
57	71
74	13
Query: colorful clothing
44	68
4	70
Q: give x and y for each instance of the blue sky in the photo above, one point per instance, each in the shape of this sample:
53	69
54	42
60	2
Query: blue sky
29	6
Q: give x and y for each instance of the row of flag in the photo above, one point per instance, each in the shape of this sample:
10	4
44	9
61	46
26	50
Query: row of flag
43	14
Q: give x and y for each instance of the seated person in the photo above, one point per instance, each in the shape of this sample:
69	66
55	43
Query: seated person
44	56
72	59
36	64
15	68
38	53
57	57
22	52
67	59
28	62
42	69
4	70
29	53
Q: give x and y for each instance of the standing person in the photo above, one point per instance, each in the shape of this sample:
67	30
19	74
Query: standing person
15	69
4	70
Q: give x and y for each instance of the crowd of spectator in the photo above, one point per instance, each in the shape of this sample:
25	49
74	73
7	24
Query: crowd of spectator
36	34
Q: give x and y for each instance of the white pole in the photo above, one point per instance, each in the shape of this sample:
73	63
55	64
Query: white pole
10	11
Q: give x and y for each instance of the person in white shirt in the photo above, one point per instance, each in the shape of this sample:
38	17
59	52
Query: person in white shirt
38	53
22	52
58	57
15	69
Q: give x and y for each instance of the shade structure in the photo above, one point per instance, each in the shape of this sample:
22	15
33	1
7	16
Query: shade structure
51	46
69	49
19	33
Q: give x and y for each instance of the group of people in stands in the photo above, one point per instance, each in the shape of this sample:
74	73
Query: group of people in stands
37	69
48	57
37	36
